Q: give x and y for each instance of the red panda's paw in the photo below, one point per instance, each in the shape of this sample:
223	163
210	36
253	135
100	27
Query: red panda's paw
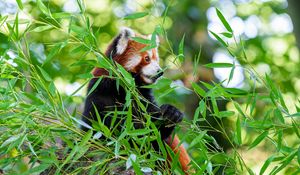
171	114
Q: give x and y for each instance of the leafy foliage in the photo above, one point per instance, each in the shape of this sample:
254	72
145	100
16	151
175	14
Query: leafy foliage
39	124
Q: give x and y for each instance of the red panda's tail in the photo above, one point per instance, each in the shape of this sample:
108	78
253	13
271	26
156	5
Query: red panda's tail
184	158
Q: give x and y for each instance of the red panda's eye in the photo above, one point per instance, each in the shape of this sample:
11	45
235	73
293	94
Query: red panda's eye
147	59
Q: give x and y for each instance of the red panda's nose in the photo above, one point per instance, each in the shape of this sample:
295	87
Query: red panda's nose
160	73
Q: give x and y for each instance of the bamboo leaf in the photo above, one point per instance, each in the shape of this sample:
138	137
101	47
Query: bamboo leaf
2	20
224	114
238	107
223	20
181	50
45	74
135	15
149	47
219	39
198	89
20	4
238	131
141	40
266	164
227	34
61	15
259	139
42	7
42	28
55	50
297	114
298	155
285	162
218	65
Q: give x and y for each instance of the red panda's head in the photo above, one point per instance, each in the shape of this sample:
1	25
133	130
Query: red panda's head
127	52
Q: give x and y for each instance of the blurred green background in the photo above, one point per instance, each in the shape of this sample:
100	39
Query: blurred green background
268	29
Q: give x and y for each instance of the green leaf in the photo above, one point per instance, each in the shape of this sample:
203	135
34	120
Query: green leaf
223	20
238	131
61	15
218	65
198	139
181	50
81	6
231	74
226	34
219	39
196	115
20	4
158	30
152	46
214	105
55	50
52	88
279	140
127	99
37	169
238	107
196	62
135	15
15	28
86	138
200	109
127	76
285	162
266	164
139	132
2	20
42	28
129	118
42	7
11	139
168	91
88	75
297	114
141	40
101	126
298	155
259	139
35	98
236	91
45	74
224	114
198	89
95	86
136	168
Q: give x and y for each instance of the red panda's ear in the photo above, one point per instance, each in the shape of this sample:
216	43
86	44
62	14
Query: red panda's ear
120	43
124	37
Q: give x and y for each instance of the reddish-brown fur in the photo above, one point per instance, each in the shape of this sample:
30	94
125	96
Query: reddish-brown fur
184	158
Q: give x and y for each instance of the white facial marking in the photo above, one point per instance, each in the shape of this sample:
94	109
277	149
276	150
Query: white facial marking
132	62
151	69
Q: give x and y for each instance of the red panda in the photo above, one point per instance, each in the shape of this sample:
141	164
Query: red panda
144	67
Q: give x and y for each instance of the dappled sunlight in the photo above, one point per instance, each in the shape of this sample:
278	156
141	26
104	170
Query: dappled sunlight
230	73
223	74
